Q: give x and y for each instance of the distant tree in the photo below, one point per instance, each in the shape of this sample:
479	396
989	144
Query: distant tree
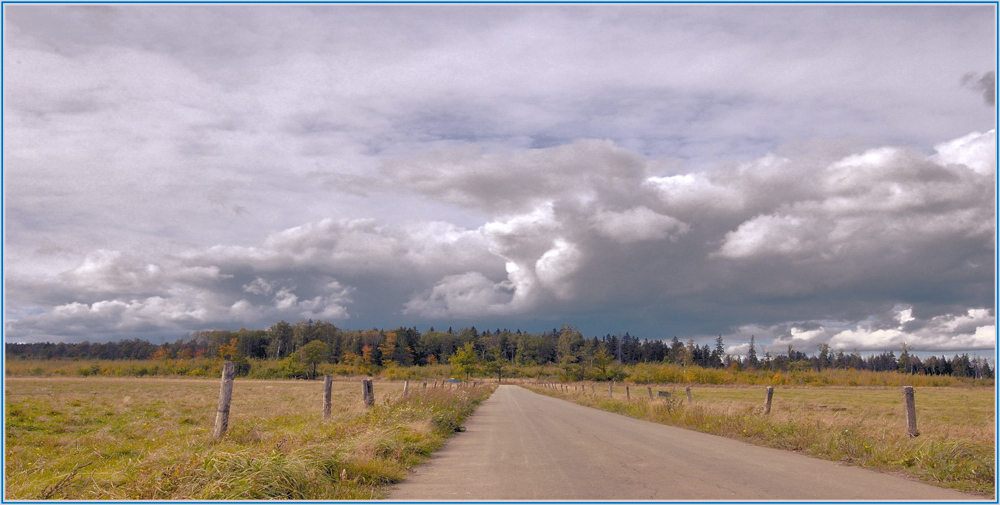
463	362
495	363
280	336
312	354
718	353
388	350
752	354
601	361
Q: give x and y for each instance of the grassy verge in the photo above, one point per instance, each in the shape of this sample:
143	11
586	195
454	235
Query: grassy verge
857	426
148	439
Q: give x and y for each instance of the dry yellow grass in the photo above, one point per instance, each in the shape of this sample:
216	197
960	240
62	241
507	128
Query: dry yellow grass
148	439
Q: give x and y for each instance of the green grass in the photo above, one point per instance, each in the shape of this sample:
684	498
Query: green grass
100	438
858	426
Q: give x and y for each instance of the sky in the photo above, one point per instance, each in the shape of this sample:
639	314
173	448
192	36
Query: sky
803	174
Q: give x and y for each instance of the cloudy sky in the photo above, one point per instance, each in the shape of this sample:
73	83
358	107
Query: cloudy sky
802	173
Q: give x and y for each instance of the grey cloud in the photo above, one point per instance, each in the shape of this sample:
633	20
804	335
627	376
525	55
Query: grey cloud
985	83
380	164
847	239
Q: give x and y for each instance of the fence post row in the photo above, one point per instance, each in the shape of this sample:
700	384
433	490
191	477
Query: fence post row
225	398
911	412
327	391
767	403
368	392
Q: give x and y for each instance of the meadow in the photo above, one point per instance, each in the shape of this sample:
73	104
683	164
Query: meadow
863	426
139	429
100	438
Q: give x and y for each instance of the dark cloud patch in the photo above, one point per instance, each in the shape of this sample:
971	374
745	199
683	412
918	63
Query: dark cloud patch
985	83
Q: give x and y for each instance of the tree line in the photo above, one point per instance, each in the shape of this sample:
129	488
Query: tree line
316	342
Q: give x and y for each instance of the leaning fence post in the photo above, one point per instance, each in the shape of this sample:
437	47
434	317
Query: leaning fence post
911	412
327	391
687	390
225	397
406	387
368	392
767	404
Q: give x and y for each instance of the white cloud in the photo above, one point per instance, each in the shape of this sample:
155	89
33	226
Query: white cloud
465	295
637	224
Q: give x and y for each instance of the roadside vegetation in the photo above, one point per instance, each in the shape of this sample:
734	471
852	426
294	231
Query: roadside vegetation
99	438
77	427
857	426
307	348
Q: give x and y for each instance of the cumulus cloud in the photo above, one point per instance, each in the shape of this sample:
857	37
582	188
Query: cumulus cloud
465	295
637	224
973	330
621	167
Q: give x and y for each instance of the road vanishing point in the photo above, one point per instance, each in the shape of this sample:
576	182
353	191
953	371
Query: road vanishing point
520	445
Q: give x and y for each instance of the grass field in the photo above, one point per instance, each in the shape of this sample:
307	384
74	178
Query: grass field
102	438
859	426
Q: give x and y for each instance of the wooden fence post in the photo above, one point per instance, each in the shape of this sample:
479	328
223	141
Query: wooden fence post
628	396
368	392
225	398
767	404
911	411
611	393
406	387
649	389
688	391
327	391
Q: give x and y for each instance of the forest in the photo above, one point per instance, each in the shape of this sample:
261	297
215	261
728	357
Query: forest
312	343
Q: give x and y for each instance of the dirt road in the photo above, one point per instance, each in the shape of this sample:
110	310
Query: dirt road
523	446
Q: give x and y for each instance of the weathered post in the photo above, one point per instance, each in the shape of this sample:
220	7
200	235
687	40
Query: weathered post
649	389
225	397
368	392
628	396
611	393
687	390
911	412
327	391
767	403
406	387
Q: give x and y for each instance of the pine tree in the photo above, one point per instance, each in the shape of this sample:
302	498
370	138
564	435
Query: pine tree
752	354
